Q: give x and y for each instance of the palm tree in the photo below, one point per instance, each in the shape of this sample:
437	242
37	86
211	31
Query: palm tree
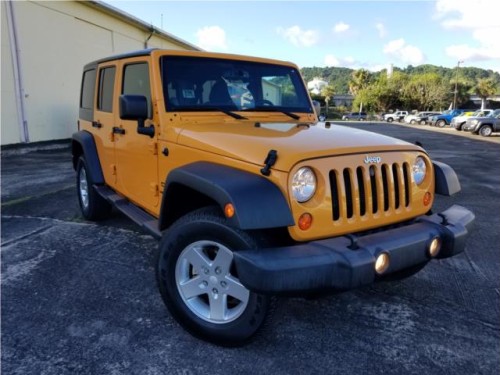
360	80
485	87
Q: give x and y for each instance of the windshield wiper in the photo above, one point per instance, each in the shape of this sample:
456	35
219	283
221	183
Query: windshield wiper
272	109
203	108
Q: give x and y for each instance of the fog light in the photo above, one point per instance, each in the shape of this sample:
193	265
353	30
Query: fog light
382	263
305	221
434	247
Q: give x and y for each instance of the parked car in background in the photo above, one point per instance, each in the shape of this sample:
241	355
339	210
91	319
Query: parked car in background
484	125
416	118
425	116
459	121
360	116
396	116
445	118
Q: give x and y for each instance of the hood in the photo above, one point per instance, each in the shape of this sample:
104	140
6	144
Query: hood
246	141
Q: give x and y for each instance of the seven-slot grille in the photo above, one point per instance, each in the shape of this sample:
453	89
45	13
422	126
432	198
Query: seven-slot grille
369	190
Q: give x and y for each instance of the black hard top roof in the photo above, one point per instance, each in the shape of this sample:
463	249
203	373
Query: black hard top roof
142	52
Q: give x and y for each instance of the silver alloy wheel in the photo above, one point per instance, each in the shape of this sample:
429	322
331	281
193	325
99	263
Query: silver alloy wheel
485	131
84	188
205	284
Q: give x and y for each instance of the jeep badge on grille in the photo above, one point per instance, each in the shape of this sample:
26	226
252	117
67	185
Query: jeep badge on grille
372	159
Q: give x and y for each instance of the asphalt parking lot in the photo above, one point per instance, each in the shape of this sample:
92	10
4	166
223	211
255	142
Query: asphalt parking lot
81	298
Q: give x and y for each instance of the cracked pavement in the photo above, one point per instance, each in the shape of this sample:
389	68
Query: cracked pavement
80	297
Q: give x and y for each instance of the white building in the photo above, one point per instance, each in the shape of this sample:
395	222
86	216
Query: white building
44	48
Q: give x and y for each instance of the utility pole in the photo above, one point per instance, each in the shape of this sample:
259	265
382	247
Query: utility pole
456	82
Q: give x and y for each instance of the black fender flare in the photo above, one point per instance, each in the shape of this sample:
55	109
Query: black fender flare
86	143
446	179
258	203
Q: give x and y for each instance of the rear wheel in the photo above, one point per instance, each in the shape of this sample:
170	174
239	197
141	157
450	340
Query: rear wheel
485	130
413	122
459	127
390	119
423	122
199	282
92	205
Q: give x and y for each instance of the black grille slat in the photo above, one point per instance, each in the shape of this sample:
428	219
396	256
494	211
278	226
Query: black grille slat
361	190
335	195
369	190
348	193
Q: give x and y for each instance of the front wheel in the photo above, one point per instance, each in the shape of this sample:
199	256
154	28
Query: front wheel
441	123
390	119
485	131
199	283
413	122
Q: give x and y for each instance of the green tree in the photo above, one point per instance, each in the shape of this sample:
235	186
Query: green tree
484	88
360	80
426	91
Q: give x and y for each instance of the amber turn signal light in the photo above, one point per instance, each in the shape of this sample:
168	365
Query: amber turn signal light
427	198
229	210
305	221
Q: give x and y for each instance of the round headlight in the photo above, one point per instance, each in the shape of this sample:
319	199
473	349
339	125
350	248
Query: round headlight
304	184
419	170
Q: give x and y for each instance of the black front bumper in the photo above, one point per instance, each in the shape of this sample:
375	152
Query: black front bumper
344	263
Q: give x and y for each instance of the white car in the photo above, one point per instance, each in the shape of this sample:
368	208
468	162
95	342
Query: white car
396	116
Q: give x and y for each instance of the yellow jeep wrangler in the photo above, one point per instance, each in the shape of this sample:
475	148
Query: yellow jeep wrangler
223	159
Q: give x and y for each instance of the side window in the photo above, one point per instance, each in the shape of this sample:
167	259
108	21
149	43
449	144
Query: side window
136	82
106	89
87	93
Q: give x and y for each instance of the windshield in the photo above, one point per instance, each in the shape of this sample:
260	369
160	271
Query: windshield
208	84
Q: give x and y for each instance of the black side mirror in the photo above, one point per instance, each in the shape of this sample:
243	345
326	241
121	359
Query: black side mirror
135	107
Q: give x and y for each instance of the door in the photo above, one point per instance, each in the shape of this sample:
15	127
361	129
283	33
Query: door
136	154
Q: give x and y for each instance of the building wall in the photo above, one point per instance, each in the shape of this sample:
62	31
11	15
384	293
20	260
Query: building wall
55	40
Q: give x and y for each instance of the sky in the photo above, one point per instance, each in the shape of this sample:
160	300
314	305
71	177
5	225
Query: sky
352	34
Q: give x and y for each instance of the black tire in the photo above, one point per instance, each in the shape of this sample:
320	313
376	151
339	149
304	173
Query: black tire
423	122
485	130
459	127
207	232
413	122
441	123
390	119
93	206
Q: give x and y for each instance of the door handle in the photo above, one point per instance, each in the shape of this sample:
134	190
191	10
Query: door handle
117	130
96	124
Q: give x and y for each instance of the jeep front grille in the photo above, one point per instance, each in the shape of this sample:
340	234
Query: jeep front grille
369	190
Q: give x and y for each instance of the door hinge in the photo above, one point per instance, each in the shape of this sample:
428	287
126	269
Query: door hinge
154	189
153	147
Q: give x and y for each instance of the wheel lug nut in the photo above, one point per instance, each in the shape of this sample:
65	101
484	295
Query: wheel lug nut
205	270
223	284
215	291
205	284
218	270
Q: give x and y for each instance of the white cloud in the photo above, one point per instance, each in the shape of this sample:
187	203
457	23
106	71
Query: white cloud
331	60
212	38
299	37
341	27
405	53
351	62
382	31
480	18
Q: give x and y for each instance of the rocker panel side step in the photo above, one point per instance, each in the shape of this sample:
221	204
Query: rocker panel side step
139	216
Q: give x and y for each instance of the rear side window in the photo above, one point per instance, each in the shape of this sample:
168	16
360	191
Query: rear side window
106	89
136	82
88	87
